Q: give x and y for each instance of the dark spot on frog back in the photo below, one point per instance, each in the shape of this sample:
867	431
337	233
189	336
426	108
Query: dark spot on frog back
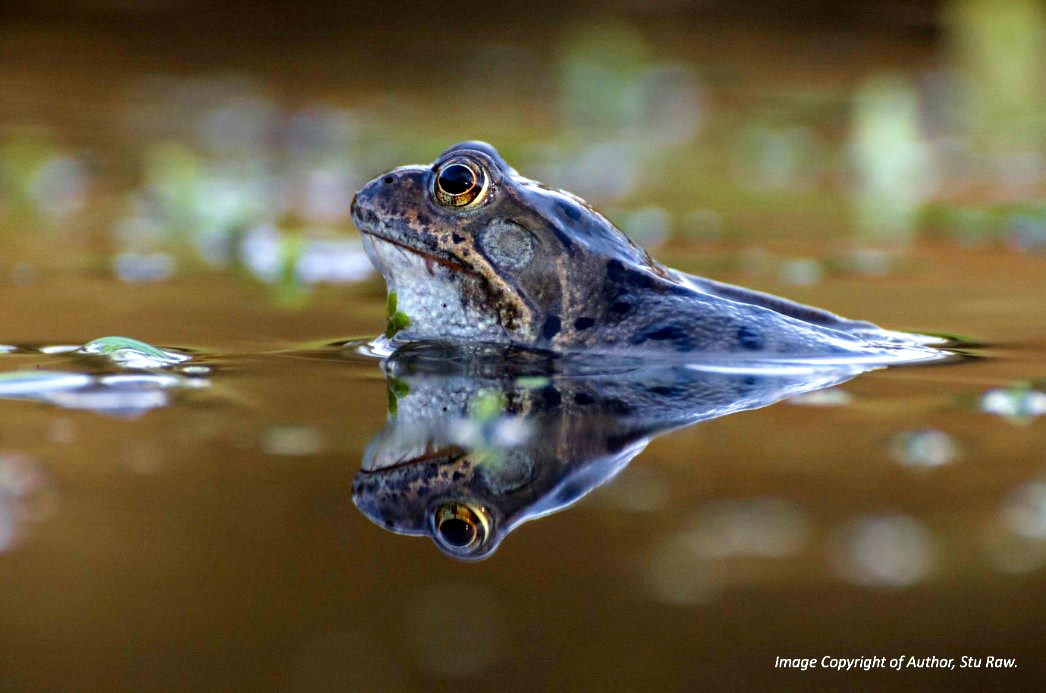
569	209
551	327
562	235
750	338
551	396
626	278
675	333
583	398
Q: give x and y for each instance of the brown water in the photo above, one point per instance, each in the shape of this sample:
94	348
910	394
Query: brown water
209	538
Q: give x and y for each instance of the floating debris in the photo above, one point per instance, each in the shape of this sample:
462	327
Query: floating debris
132	353
924	448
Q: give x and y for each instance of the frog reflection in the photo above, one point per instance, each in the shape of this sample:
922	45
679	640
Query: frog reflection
475	447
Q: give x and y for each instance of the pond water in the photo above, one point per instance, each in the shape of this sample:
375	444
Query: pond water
212	506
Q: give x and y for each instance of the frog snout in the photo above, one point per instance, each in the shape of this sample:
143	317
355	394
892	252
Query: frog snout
362	207
385	195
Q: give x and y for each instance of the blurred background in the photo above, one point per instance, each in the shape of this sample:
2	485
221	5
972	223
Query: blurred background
166	138
181	172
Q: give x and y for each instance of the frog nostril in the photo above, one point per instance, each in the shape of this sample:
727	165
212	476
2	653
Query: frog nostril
387	180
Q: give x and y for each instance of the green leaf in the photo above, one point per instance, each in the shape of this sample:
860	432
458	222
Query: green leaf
488	404
532	382
395	389
110	345
397	321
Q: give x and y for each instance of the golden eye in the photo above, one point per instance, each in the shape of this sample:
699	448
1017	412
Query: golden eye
461	527
460	183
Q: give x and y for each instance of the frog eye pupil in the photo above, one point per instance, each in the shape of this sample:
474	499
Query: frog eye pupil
456	179
457	532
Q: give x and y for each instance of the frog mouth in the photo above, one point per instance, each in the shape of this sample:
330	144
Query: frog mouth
386	458
428	255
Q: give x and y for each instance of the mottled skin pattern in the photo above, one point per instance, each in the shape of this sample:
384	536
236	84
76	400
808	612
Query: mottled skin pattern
580	431
529	265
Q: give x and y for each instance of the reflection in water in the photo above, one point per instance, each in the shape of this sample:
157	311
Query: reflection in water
26	496
475	447
1016	540
1019	403
926	448
117	376
889	550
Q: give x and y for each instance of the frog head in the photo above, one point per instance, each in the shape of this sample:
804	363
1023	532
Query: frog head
475	252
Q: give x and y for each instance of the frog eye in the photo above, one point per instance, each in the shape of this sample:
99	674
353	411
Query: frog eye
461	528
461	182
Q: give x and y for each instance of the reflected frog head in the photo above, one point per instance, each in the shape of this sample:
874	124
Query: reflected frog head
420	479
475	447
473	250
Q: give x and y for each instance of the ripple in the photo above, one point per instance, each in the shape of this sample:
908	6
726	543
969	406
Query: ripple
37	383
125	395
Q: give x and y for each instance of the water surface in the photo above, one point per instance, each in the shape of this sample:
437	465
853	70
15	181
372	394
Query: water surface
202	523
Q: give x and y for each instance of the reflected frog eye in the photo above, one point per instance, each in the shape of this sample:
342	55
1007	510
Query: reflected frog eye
461	528
460	183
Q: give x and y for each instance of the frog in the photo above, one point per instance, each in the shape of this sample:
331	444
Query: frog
472	251
475	447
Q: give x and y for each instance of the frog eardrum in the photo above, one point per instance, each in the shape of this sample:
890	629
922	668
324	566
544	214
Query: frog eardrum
461	182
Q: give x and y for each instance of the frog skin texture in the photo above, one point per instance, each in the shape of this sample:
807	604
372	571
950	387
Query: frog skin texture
512	261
